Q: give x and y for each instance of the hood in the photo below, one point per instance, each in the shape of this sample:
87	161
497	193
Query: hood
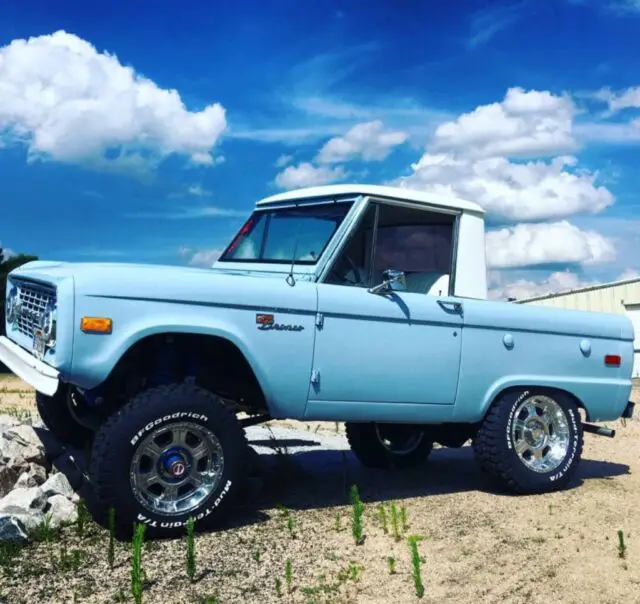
155	281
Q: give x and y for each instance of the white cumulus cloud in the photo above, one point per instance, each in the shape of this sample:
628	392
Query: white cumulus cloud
534	190
546	243
368	141
473	157
617	101
520	289
524	123
67	101
308	175
202	258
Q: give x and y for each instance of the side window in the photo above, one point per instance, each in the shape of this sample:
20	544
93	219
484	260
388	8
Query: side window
352	265
415	241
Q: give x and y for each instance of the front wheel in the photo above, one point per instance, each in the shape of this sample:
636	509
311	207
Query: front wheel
389	446
171	453
530	441
55	413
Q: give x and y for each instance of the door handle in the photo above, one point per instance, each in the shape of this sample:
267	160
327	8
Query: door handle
448	306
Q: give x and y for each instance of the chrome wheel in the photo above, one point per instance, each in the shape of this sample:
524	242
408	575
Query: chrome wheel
540	433
176	467
399	439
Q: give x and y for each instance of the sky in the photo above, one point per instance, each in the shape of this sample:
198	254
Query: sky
146	132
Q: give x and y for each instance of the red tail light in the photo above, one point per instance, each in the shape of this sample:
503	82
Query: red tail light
612	360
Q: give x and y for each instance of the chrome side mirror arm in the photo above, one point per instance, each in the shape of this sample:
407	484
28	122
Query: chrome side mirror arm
391	277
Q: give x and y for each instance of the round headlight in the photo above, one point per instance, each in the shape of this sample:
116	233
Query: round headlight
12	305
48	323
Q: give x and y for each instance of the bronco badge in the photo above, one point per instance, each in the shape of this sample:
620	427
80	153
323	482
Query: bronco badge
266	322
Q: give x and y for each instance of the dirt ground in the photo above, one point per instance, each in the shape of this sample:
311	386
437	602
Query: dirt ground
477	545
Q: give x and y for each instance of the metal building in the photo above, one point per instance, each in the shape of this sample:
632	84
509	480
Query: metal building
616	297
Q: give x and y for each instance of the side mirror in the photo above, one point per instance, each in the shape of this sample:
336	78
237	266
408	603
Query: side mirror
392	279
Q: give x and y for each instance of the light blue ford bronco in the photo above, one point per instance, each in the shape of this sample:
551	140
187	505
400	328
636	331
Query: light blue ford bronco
352	303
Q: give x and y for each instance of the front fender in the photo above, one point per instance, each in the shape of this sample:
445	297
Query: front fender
96	355
280	360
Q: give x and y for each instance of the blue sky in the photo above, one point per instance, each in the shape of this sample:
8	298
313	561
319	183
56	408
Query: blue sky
526	107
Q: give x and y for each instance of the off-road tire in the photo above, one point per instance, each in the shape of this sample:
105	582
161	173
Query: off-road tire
151	409
371	452
56	416
495	452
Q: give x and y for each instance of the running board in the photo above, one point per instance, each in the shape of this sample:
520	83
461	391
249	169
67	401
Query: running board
599	430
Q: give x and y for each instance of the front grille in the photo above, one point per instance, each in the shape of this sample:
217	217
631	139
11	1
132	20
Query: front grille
33	299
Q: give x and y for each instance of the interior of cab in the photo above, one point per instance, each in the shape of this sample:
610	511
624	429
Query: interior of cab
416	241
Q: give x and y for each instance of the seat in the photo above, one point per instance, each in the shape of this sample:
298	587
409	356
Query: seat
429	283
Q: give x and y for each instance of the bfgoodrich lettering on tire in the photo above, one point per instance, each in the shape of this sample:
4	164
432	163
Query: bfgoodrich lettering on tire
171	453
530	440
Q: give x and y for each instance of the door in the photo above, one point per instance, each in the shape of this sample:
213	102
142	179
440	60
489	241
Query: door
398	347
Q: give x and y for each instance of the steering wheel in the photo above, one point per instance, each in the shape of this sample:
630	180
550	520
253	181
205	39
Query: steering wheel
351	265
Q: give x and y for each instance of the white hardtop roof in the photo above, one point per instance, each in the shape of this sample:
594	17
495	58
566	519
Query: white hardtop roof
399	193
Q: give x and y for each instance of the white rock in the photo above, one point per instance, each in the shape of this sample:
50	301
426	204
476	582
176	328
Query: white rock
8	477
11	529
8	421
33	477
23	501
39	473
26	437
61	510
29	521
57	484
25	481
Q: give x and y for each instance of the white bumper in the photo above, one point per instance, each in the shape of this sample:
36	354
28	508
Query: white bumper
41	376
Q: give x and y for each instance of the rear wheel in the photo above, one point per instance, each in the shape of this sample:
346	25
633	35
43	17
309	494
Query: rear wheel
57	417
171	453
530	440
389	445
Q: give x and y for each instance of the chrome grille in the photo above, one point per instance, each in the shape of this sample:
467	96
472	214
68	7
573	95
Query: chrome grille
33	299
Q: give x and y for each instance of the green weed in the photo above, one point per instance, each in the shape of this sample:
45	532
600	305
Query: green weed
191	550
383	519
288	574
391	562
136	563
395	522
622	548
403	518
337	525
358	509
111	554
83	518
416	565
45	531
291	525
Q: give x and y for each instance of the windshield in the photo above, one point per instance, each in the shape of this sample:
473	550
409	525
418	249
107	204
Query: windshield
274	235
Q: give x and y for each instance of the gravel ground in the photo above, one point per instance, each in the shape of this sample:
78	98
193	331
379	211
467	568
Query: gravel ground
477	544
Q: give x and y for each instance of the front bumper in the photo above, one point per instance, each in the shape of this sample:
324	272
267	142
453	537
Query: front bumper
628	410
41	376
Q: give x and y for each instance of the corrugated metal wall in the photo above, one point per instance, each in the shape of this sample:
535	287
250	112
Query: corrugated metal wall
633	312
599	299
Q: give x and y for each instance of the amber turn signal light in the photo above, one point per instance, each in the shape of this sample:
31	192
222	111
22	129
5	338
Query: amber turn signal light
96	325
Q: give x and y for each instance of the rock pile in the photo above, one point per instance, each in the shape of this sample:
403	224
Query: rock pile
32	490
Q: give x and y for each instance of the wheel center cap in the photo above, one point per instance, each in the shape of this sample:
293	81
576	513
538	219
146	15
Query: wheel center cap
535	433
177	469
175	465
